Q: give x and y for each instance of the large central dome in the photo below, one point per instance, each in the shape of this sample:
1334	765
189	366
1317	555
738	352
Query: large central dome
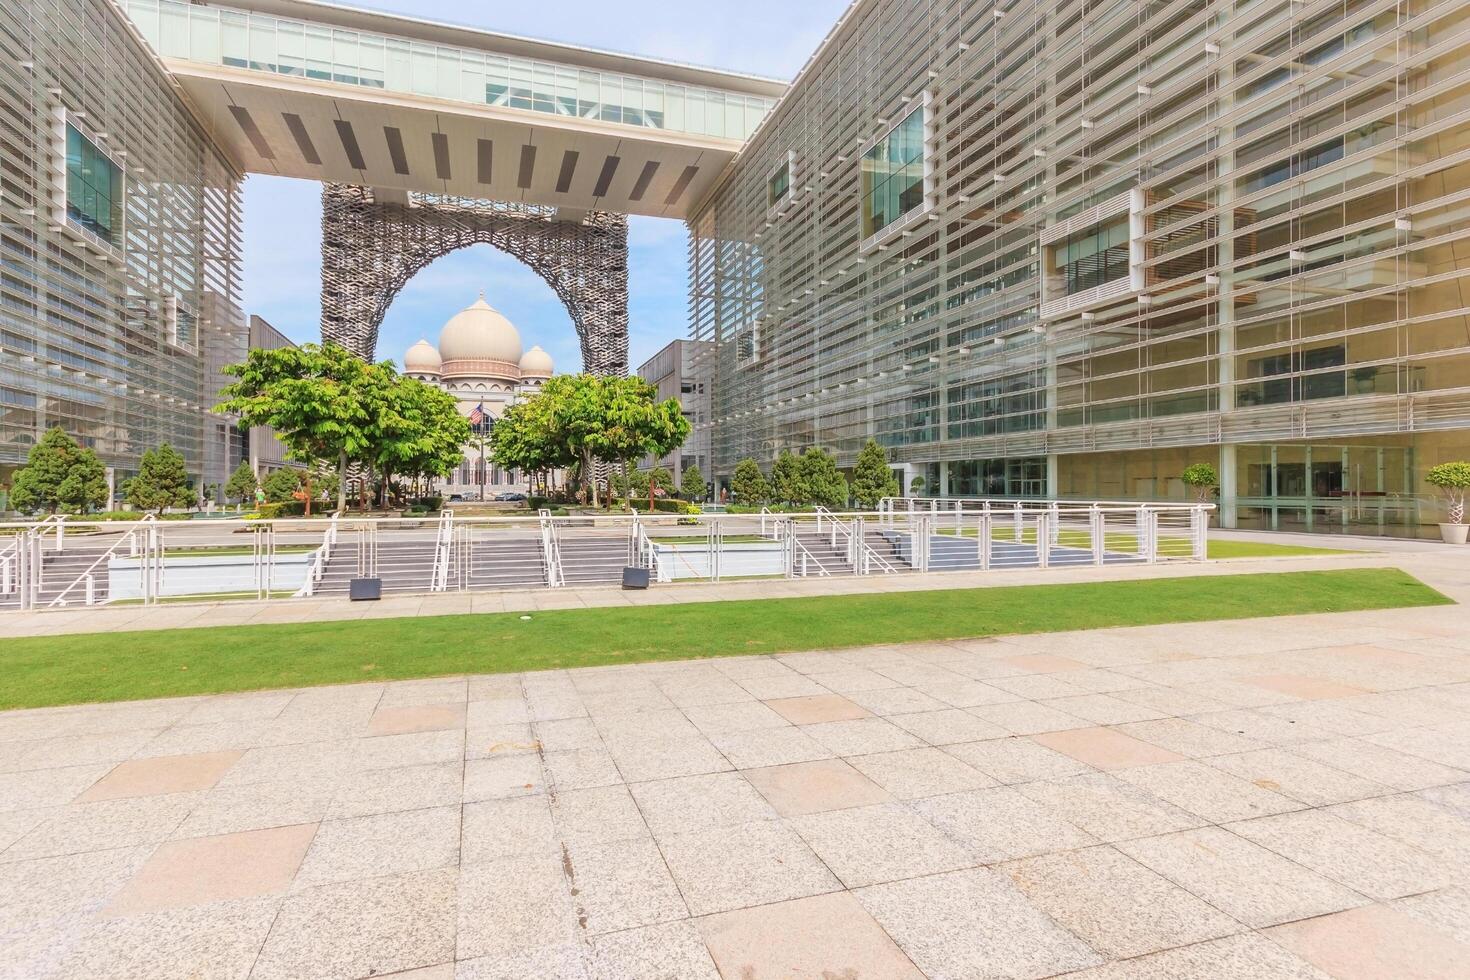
480	333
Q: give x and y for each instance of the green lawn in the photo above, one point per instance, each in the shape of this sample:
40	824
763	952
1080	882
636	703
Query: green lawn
49	670
1230	548
1121	541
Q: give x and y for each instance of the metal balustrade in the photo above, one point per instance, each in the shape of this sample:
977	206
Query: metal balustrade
150	561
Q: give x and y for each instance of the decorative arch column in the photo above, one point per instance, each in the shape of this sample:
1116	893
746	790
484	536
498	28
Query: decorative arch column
372	246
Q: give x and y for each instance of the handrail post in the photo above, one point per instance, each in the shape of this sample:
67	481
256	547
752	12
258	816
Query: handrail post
1043	540
1099	534
984	544
1200	524
1151	534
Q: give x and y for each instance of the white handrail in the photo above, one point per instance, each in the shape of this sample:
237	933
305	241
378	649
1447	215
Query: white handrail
860	554
86	578
443	541
317	566
551	549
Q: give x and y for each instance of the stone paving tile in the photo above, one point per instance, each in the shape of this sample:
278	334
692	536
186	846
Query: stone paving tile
391	790
818	708
498	829
916	773
973	923
1117	905
897	701
362	928
1211	793
161	775
1418	820
498	741
671	951
1000	824
560	961
864	737
947	726
1188	739
417	749
819	937
417	718
1105	748
514	903
1241	879
1373	943
259	806
1382	765
51	888
385	843
812	787
1262	727
495	779
770	747
741	716
244	865
621	885
567	734
218	941
103	826
847	680
872	844
309	761
1365	861
75	750
597	816
1447	910
1249	956
1300	778
694	803
643	759
1017	760
737	867
1027	717
1108	808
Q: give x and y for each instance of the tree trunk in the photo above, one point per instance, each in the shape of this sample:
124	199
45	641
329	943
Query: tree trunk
307	508
342	481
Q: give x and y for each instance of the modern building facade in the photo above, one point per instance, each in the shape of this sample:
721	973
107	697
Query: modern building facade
119	246
674	372
259	444
480	361
1059	248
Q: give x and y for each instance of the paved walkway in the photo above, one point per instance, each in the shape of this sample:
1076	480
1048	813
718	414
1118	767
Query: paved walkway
1257	799
1441	561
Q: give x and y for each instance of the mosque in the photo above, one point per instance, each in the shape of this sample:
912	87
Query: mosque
480	362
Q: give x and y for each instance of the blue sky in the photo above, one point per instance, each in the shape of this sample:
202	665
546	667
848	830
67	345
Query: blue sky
282	216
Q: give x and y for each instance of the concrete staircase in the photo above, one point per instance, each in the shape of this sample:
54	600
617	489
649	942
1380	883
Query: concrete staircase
593	560
404	566
503	560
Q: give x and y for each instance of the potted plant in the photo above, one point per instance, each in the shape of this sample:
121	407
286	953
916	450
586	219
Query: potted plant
1452	479
1202	479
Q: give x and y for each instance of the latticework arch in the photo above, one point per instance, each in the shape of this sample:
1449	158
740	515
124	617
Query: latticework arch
372	248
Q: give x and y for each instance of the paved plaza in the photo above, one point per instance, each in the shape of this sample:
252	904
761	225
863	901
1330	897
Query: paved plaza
1267	798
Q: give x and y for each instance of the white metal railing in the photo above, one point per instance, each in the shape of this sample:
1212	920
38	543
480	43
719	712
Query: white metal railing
443	552
551	550
299	557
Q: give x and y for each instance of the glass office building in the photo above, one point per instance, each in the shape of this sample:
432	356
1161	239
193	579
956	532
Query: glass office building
119	247
1064	248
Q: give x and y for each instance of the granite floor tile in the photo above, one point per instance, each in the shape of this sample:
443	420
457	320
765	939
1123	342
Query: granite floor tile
417	718
103	826
947	727
512	904
502	778
825	936
362	928
1300	778
1419	820
737	867
1000	824
1240	878
1188	739
53	888
1382	765
498	741
575	769
741	716
896	701
1447	910
694	803
417	749
203	870
770	747
559	961
1104	709
259	806
1027	717
916	773
1373	943
812	787
621	885
1108	808
1368	862
973	923
218	941
864	737
1017	760
1248	956
597	816
567	734
1105	748
382	844
1211	793
671	951
1119	907
498	829
872	844
643	759
162	775
391	790
817	708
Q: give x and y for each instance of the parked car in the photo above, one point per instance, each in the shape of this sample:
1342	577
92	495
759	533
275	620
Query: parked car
511	497
453	497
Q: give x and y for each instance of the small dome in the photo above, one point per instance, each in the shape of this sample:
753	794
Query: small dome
536	364
421	358
480	333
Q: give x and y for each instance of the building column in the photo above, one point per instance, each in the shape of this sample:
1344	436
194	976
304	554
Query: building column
1053	484
1228	484
944	479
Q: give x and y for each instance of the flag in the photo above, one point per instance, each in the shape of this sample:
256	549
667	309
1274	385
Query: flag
477	417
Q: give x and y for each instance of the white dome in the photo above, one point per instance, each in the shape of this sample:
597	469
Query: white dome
536	364
480	333
422	358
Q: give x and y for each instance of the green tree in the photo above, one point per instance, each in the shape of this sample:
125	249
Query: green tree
748	484
872	479
1453	479
59	475
822	483
786	485
638	483
281	486
241	484
691	483
415	429
162	481
525	439
1201	478
315	397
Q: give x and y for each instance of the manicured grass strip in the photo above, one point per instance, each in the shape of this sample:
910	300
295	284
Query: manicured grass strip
1121	541
1231	548
49	670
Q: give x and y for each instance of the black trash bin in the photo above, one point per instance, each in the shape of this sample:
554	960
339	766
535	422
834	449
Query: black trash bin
365	589
635	578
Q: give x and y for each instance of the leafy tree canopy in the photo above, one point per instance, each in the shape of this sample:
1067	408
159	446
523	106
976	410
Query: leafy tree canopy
872	479
162	481
242	483
59	475
821	482
749	484
692	485
786	485
1202	478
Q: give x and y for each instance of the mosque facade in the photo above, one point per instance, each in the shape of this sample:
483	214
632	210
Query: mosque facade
480	361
